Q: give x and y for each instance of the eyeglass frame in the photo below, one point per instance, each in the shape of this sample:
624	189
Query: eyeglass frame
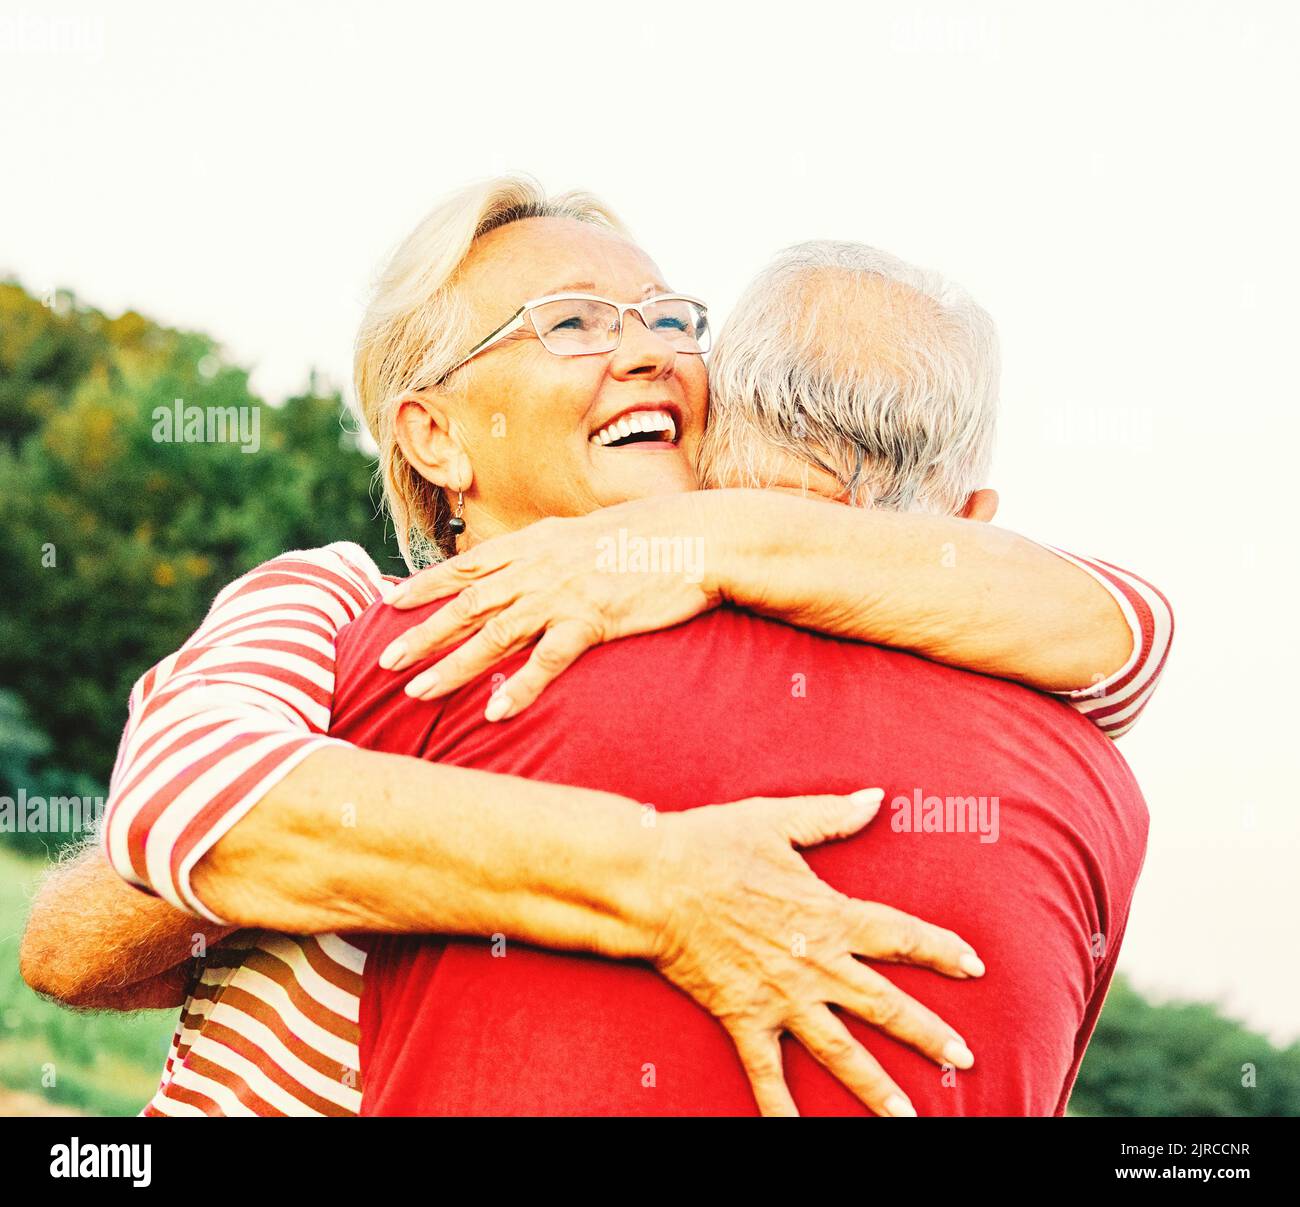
520	316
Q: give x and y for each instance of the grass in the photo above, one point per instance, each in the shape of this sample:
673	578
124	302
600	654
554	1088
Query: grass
98	1063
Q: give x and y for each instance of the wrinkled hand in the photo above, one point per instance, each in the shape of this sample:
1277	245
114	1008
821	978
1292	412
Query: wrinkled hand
757	939
574	582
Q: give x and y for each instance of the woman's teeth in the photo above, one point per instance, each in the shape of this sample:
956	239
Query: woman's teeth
638	423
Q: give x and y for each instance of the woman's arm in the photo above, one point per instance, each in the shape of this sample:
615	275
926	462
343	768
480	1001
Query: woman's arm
954	590
94	942
1114	704
212	727
358	840
957	591
218	724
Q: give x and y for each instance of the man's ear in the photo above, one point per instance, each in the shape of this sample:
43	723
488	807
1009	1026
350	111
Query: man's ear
982	506
430	441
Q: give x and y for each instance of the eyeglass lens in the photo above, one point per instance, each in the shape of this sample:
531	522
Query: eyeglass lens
578	326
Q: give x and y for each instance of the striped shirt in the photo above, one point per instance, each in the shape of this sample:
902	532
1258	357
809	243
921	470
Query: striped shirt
270	1024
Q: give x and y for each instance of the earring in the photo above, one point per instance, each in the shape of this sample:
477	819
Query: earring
456	525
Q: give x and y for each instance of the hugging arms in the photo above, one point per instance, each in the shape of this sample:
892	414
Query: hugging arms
231	802
298	869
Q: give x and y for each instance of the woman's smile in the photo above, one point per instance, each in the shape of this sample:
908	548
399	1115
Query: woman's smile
548	434
643	428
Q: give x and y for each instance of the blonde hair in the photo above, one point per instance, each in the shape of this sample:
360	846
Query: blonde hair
414	331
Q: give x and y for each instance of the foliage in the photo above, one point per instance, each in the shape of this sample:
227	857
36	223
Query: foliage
114	542
1184	1059
99	1063
23	747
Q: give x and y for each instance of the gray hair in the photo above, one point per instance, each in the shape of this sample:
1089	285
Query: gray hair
849	359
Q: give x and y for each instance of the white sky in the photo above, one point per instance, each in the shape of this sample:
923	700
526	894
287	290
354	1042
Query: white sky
1116	182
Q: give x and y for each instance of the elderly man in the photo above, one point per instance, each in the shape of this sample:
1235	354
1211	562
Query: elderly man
1011	820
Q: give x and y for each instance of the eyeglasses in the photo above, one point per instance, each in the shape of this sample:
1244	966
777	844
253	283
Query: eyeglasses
581	324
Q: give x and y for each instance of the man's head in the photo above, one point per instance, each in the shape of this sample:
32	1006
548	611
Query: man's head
848	373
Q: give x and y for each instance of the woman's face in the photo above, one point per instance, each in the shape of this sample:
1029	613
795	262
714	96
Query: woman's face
526	417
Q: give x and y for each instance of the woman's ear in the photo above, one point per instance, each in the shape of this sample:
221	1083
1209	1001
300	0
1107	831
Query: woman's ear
982	505
430	441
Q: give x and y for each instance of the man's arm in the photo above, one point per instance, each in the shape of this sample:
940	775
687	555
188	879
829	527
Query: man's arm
94	942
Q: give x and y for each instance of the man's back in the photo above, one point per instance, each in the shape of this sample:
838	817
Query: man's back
1007	818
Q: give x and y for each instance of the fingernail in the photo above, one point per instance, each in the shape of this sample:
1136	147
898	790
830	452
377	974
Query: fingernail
422	684
955	1052
898	1107
868	798
391	594
971	964
389	659
497	706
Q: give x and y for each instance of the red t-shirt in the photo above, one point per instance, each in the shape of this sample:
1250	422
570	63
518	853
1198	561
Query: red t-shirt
731	706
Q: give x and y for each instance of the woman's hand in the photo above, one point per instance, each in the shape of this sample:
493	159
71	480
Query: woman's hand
577	582
955	590
757	939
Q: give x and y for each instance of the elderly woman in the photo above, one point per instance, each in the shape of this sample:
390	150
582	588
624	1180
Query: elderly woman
522	359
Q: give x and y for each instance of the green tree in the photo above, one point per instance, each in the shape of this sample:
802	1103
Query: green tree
23	748
113	542
1181	1058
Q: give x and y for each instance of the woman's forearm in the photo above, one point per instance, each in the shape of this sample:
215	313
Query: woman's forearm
359	840
958	591
710	895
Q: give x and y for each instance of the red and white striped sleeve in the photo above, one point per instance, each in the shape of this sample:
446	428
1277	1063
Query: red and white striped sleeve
193	762
1114	704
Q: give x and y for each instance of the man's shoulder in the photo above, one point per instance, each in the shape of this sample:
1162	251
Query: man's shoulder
769	665
371	707
378	624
